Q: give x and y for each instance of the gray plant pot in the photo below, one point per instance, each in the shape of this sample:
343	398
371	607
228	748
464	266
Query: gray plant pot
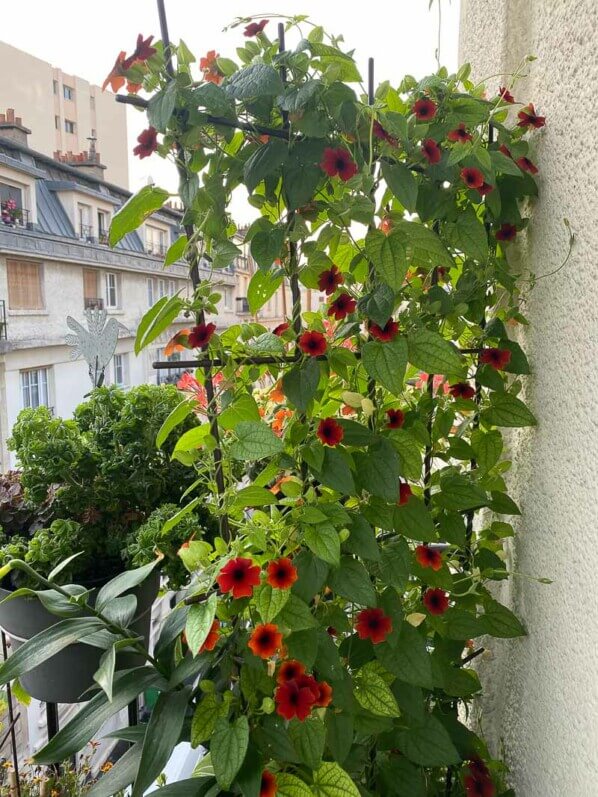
66	677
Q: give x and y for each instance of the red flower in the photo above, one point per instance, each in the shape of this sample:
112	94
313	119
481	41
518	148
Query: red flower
386	333
281	573
268	785
312	343
290	670
485	189
342	306
528	117
431	151
478	787
148	143
505	150
116	79
428	557
294	700
424	110
212	637
201	335
505	95
496	358
472	177
396	418
209	66
459	134
405	493
329	280
436	601
338	160
281	328
255	27
478	768
239	576
507	232
265	640
325	694
462	390
380	132
526	165
373	624
143	51
330	432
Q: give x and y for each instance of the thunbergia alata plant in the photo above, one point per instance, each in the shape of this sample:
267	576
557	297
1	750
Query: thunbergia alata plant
353	455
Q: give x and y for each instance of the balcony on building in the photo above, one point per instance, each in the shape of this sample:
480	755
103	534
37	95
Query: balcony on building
242	305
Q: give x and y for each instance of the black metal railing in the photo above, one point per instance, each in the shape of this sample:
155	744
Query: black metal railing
103	238
93	303
158	250
3	324
242	305
86	233
13	216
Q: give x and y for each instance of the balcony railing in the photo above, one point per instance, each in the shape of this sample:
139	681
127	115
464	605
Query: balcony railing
103	238
3	325
93	304
242	305
86	233
13	216
157	250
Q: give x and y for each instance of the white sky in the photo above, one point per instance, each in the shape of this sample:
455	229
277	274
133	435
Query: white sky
84	39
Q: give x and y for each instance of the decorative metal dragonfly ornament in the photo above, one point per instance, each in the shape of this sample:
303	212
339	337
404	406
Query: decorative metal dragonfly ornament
96	344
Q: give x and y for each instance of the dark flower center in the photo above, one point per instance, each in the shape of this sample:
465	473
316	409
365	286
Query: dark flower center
374	623
238	574
340	163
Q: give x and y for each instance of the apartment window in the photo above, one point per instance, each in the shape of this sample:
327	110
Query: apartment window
151	292
24	285
85	228
57	122
120	365
55	86
171	287
227	298
90	289
155	241
168	376
162	289
11	192
103	224
111	290
68	93
34	388
92	103
69	126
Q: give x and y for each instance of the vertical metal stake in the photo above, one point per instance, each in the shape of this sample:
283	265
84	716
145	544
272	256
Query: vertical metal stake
52	720
133	711
11	717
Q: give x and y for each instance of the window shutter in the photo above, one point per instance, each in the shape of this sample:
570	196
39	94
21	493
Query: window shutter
24	285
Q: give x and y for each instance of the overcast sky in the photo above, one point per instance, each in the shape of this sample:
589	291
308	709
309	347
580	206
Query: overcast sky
84	39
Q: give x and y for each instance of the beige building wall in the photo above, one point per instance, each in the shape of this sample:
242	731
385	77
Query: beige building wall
36	91
543	690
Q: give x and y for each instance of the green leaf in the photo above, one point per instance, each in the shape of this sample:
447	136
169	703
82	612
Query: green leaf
312	573
424	247
395	560
409	452
266	246
468	235
288	785
507	410
46	644
336	473
156	320
161	737
123	583
253	82
87	722
104	675
458	493
135	211
431	353
402	183
427	743
255	441
264	161
386	363
224	253
414	521
378	470
121	775
409	659
324	542
300	383
178	415
309	738
243	408
378	305
352	582
161	107
199	621
487	448
269	601
208	711
339	734
214	99
373	693
228	749
387	253
254	496
296	615
262	286
362	541
500	622
330	780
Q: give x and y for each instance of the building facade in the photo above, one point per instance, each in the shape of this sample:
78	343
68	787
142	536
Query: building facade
63	111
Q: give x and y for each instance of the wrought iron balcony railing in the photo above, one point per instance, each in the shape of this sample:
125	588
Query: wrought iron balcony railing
158	250
86	233
242	305
3	324
93	303
13	216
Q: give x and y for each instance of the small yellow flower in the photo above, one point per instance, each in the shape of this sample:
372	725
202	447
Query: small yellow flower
107	766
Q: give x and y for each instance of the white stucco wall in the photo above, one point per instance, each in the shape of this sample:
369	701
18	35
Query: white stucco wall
543	690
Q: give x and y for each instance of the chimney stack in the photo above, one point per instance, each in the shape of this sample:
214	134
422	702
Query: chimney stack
12	127
87	162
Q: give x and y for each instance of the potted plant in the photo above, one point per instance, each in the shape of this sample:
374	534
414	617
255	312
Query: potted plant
111	502
330	627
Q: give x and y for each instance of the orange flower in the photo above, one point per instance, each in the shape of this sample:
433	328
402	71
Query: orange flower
279	419
209	67
116	78
276	486
212	637
276	393
265	640
177	342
